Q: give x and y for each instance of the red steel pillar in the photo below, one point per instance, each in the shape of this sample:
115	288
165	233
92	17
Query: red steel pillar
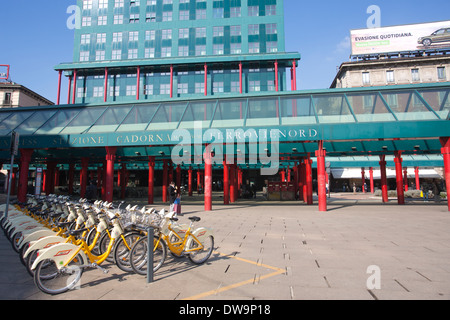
240	77
74	89
384	189
25	159
321	177
165	184
83	176
416	175
226	183
372	189
178	177
58	98
68	90
206	79
232	183
405	178
276	76
190	181
445	142
109	181
309	184
151	179
138	82
208	182
105	86
294	71
399	177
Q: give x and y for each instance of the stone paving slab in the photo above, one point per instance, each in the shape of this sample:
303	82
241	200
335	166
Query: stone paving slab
269	252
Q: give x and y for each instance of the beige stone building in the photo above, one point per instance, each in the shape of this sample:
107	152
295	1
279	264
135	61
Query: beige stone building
393	71
13	95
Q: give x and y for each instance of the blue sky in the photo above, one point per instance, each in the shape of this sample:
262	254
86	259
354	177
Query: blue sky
34	37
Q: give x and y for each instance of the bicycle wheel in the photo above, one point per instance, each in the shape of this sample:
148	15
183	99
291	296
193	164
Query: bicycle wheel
105	238
138	255
122	250
50	280
199	257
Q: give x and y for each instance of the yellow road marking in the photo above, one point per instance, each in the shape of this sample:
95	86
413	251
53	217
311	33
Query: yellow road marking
239	284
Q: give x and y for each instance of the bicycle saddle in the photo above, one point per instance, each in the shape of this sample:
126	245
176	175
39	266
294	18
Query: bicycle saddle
194	219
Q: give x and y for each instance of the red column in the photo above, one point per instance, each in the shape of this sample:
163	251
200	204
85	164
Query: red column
276	76
308	177
208	182
445	142
384	189
165	183
105	89
294	70
58	98
69	89
240	77
226	183
109	181
138	82
83	176
25	159
171	81
398	174
74	90
206	79
283	175
405	178
190	181
151	179
372	190
321	178
416	175
363	178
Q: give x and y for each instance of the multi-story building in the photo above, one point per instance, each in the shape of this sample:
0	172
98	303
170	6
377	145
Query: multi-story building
128	50
13	95
387	71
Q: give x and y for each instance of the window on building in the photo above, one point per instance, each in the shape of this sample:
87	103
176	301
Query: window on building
218	13
253	11
390	76
166	52
133	36
148	89
167	16
218	87
131	90
218	31
253	47
441	73
199	87
81	92
98	92
183	51
164	88
85	39
7	99
132	53
100	55
183	88
415	75
236	48
102	20
235	30
271	46
118	3
103	4
254	86
101	38
149	53
184	15
253	29
86	21
150	35
218	49
235	86
84	56
366	78
167	34
235	12
200	50
183	33
200	32
118	19
200	14
134	18
116	55
271	28
271	10
87	4
150	17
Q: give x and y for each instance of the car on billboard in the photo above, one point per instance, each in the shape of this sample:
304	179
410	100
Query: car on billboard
441	35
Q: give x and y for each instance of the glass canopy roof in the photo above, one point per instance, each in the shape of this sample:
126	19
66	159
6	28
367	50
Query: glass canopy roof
316	107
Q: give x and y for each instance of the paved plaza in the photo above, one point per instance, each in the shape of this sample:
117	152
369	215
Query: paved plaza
284	251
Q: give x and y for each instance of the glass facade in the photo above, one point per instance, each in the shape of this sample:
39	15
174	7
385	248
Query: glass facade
240	41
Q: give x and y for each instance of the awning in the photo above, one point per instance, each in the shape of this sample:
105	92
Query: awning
352	173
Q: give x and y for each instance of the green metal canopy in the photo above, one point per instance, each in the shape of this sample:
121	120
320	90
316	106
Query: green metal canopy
361	121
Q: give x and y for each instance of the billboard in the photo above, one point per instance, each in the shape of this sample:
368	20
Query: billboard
413	37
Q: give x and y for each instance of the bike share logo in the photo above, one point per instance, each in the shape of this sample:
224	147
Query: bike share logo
262	146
